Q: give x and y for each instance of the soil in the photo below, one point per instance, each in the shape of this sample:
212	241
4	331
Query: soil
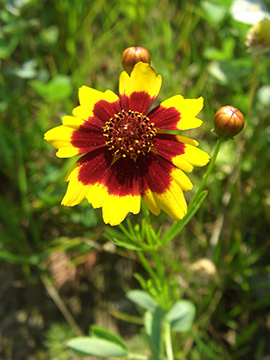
89	292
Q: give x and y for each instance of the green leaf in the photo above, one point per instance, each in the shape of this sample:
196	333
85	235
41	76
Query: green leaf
7	47
247	335
141	280
230	70
153	329
20	26
214	13
27	70
16	5
181	315
57	89
226	53
179	226
122	239
125	245
96	347
34	259
143	299
50	35
102	333
205	349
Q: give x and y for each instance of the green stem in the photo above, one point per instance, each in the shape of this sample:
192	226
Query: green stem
168	340
134	356
148	268
253	87
158	264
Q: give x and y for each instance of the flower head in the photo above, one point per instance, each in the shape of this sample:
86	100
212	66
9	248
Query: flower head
228	121
127	152
258	37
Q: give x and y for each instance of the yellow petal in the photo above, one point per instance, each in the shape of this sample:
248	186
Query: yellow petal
192	155
82	112
72	122
76	191
181	179
150	202
114	208
187	140
182	163
67	152
188	109
88	97
172	201
142	79
60	138
195	156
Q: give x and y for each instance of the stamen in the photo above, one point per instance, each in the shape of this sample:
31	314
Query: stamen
129	134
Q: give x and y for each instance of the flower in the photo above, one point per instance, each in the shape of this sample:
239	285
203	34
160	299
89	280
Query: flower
258	37
128	154
228	121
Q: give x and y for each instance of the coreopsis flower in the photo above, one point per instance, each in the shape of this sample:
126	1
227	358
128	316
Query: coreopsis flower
127	152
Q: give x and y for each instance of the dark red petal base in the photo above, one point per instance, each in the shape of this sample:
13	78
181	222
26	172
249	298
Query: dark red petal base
87	138
165	118
137	101
125	176
105	110
168	146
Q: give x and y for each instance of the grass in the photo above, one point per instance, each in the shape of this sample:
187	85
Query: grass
199	50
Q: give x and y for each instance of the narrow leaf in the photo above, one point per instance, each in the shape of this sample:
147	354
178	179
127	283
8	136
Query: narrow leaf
179	225
125	245
205	349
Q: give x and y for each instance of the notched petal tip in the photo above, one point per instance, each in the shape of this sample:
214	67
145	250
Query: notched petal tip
143	78
116	208
88	97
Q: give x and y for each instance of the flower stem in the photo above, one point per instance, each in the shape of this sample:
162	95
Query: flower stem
134	356
148	268
168	340
253	87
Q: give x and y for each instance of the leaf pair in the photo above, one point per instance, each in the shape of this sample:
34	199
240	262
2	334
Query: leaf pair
180	316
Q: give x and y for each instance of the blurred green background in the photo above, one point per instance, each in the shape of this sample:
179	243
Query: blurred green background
47	50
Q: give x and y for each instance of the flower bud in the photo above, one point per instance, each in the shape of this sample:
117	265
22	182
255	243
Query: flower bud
132	56
228	121
258	37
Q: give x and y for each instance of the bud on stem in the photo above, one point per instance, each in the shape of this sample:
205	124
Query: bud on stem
132	56
228	121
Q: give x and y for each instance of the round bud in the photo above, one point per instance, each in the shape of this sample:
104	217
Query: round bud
228	121
132	56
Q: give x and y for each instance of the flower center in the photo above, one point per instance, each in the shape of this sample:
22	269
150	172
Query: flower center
129	134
